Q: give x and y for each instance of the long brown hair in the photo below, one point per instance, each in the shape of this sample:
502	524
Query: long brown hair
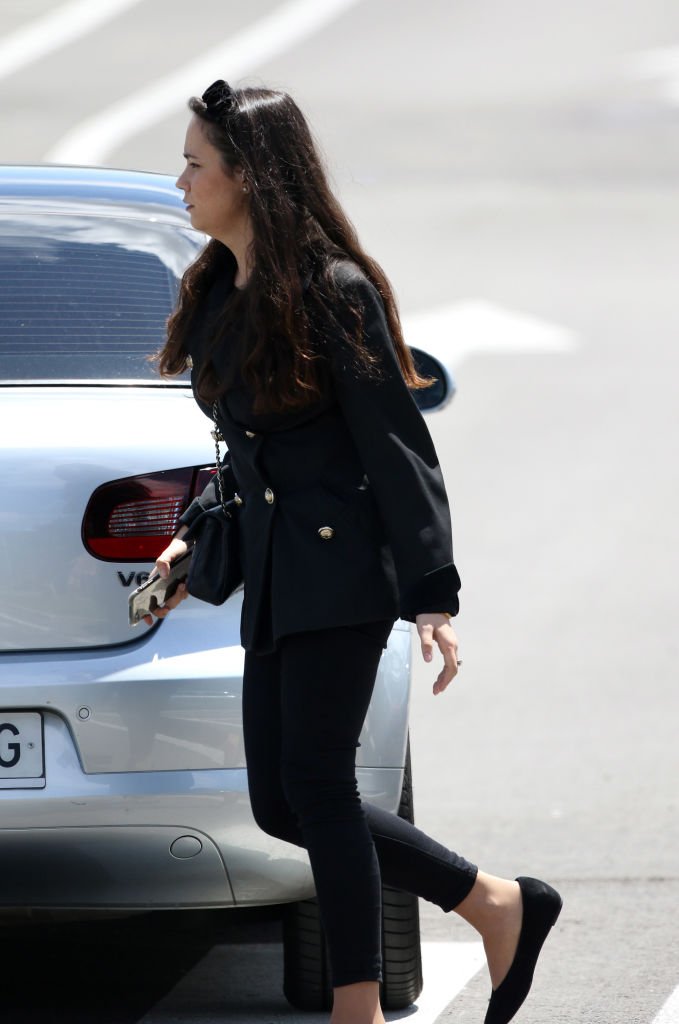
300	231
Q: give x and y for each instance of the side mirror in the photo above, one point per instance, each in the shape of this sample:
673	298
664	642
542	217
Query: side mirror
441	391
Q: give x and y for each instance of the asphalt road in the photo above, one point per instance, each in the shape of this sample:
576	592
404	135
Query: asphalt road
523	157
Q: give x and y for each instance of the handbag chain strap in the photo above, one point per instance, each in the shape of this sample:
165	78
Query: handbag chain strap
217	437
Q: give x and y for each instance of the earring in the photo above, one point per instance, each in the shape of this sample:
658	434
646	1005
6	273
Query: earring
245	188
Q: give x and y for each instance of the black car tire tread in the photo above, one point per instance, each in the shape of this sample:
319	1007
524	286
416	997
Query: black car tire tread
306	976
306	971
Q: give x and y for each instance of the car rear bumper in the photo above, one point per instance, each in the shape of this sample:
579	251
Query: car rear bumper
147	839
145	802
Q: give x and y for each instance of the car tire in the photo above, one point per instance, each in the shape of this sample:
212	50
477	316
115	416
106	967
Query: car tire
306	971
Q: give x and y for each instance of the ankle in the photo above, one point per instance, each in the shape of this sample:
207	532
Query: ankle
491	899
357	1004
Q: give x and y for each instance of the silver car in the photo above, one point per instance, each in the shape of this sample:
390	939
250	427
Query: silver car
122	772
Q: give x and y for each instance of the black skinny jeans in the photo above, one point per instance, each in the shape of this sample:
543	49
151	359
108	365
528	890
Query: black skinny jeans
303	710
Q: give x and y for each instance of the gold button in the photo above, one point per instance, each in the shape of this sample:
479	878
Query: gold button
237	498
249	433
326	532
268	494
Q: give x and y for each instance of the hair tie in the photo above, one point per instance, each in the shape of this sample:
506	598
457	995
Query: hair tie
219	100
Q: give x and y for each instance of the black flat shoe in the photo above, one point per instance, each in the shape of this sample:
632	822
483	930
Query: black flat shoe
541	907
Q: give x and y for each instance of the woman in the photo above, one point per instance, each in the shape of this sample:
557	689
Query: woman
292	329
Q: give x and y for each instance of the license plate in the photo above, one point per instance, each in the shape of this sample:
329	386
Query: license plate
21	750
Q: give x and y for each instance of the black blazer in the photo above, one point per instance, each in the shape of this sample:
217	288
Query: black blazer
344	518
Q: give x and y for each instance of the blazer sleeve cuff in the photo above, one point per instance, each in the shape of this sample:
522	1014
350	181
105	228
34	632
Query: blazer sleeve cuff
207	499
436	592
195	509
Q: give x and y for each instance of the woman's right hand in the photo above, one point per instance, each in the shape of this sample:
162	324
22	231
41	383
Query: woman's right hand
174	550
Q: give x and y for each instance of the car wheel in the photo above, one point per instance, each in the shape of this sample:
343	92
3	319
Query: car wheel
306	972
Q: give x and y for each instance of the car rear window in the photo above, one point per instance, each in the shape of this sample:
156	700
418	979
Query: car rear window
87	298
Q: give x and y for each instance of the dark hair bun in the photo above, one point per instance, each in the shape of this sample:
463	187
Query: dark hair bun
219	100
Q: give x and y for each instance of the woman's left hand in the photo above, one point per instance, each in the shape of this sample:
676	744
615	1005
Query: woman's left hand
434	626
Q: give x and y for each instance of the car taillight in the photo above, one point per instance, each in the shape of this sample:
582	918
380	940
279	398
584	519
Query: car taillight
132	520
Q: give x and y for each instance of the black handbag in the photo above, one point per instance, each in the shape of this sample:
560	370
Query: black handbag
215	569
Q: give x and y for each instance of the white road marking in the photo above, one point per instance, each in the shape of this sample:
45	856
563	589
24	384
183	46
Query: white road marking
61	26
661	65
453	333
447	967
670	1011
91	141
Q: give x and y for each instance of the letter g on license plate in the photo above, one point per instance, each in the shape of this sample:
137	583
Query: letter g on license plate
21	750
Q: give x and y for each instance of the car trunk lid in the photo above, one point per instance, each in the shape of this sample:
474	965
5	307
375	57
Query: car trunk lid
60	444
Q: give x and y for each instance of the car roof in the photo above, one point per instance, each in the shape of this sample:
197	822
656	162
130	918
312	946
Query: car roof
52	184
